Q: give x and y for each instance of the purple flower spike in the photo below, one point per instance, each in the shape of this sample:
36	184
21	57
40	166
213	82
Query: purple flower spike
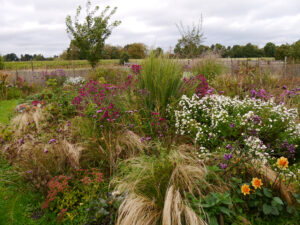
227	156
52	141
223	165
29	171
232	125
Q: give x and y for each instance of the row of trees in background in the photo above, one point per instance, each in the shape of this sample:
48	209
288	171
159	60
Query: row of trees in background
13	57
140	50
291	51
134	51
185	50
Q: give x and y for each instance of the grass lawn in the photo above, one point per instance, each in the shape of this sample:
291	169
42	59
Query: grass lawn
6	109
19	204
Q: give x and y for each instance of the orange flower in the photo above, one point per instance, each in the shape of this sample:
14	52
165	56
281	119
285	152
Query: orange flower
282	163
256	183
245	189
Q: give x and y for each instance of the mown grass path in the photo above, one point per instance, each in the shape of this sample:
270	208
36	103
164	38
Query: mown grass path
6	109
19	204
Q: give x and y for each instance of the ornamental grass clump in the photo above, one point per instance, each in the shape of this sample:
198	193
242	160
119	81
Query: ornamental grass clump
155	188
162	78
209	66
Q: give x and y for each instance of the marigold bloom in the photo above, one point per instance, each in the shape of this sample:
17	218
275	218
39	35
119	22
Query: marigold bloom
245	189
282	163
256	183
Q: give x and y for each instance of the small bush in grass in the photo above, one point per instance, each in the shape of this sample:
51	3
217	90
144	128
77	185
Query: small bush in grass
161	77
124	58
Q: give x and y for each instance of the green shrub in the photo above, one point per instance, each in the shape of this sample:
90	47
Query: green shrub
161	79
124	58
209	67
111	75
80	198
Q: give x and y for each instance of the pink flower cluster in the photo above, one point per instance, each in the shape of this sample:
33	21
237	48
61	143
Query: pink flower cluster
136	68
201	84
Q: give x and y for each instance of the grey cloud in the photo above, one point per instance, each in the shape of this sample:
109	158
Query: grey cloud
32	26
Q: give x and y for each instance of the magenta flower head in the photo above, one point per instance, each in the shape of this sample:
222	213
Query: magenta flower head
223	165
52	141
21	141
232	125
29	171
229	147
46	150
227	156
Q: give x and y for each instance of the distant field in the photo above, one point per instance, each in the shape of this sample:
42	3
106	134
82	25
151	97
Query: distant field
59	64
68	64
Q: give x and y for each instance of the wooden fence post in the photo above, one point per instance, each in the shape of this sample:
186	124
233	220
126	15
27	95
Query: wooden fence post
285	66
231	67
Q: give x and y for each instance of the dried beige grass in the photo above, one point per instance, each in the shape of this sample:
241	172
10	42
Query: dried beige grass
129	144
125	146
72	152
20	123
181	171
137	210
175	208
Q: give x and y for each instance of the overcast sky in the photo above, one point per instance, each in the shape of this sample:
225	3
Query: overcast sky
38	26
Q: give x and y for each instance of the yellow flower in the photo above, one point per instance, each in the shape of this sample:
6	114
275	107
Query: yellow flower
245	189
282	163
256	183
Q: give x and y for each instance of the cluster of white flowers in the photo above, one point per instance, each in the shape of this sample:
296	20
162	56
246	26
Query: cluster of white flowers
74	80
256	148
213	116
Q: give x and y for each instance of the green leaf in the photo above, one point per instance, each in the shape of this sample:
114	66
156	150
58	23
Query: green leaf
267	209
274	211
211	200
225	210
267	192
278	200
297	196
213	220
237	199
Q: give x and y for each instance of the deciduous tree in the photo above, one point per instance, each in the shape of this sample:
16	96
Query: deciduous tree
90	35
